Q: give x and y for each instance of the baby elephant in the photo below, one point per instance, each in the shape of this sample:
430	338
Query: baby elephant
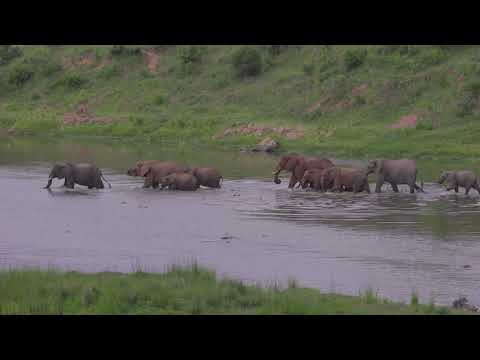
207	176
466	179
349	179
312	178
180	181
81	174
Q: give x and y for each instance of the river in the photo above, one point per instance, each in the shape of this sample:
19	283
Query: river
251	229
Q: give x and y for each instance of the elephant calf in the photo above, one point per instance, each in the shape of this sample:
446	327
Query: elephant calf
207	176
455	179
312	178
82	174
346	179
180	181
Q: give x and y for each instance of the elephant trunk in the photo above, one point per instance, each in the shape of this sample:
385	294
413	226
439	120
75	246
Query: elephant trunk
49	183
275	174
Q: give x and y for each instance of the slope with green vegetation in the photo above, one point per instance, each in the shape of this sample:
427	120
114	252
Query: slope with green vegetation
184	290
342	100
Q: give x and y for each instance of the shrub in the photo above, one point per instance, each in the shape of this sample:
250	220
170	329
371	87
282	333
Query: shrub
354	58
122	50
247	61
465	106
71	81
20	74
276	49
308	69
190	54
8	53
110	71
472	87
431	56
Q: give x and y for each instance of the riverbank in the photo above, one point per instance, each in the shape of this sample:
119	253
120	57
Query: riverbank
180	291
342	101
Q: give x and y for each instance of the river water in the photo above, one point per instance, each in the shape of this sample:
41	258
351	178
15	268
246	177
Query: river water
251	229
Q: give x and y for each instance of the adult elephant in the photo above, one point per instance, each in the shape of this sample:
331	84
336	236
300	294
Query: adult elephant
395	172
154	170
297	165
85	174
464	178
207	176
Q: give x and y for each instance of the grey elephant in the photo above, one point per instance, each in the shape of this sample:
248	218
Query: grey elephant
207	176
455	179
395	172
180	181
85	174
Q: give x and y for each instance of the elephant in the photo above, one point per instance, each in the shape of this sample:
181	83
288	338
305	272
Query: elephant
180	181
207	176
346	179
465	178
154	170
312	178
82	174
395	172
297	165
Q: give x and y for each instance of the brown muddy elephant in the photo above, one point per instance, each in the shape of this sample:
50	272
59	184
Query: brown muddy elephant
464	178
395	172
180	181
346	179
312	179
207	176
85	174
154	170
297	165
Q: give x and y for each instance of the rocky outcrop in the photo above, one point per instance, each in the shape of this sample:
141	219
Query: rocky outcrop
267	145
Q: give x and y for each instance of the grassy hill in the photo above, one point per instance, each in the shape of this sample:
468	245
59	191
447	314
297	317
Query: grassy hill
339	100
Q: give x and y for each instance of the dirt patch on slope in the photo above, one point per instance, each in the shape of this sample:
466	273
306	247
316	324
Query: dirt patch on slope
260	130
332	102
86	59
152	59
409	121
82	115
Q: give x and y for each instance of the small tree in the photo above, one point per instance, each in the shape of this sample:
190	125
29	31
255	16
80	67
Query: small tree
247	61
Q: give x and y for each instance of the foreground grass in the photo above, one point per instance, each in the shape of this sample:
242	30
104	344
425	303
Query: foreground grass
186	290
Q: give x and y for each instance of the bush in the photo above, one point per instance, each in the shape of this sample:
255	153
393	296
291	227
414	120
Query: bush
247	61
276	49
472	87
71	81
308	69
8	53
465	106
354	58
431	56
190	54
110	71
122	50
20	74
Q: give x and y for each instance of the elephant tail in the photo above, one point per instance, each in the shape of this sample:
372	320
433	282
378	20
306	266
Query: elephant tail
109	185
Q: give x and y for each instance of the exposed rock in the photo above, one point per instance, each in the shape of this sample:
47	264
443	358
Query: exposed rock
261	130
267	145
82	115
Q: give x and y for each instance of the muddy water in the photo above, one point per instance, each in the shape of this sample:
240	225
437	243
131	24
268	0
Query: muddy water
251	229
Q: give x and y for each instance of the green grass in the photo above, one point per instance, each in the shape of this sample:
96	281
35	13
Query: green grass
181	290
195	93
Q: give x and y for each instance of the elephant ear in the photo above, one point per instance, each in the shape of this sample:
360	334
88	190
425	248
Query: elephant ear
291	163
144	170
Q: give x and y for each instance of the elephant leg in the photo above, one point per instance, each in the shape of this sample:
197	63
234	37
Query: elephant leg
456	189
293	181
476	187
378	187
394	187
467	190
412	189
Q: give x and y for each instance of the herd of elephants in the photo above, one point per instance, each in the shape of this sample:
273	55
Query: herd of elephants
314	173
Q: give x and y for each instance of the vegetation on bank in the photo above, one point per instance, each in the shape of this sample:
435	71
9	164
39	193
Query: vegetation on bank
182	290
345	97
